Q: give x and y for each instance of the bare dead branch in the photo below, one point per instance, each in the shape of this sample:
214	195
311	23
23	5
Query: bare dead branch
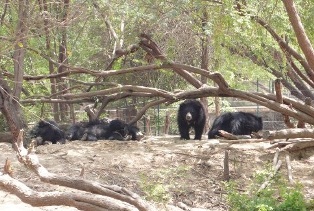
125	88
82	201
298	145
276	156
144	109
289	168
95	197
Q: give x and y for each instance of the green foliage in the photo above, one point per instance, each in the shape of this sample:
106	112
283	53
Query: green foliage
277	196
156	186
176	26
154	190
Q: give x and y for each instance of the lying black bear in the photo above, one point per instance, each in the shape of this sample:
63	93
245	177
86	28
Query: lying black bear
237	123
98	130
47	131
119	130
191	114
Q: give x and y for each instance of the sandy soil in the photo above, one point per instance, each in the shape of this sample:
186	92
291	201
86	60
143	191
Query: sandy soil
164	170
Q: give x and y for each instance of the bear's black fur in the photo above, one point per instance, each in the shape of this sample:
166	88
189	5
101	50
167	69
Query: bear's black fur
237	123
88	131
119	130
191	114
47	130
75	131
98	129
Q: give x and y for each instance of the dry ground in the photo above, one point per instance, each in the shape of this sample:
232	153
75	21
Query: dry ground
161	169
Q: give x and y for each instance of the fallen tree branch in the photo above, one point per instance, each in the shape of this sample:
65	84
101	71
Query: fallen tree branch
80	200
289	133
289	168
242	141
298	146
94	197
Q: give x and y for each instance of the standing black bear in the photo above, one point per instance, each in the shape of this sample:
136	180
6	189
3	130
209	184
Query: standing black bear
191	114
237	123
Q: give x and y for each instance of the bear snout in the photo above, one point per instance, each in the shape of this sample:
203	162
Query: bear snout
188	116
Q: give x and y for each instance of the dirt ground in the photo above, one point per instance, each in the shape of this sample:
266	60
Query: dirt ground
163	170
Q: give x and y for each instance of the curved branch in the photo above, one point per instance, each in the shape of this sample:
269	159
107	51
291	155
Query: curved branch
125	88
248	53
147	44
100	192
82	201
144	109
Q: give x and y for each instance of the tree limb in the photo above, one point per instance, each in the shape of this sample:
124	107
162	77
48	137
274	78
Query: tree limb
121	196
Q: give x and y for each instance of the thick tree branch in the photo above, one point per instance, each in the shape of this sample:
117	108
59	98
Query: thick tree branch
147	44
123	199
82	200
285	47
299	31
248	53
125	88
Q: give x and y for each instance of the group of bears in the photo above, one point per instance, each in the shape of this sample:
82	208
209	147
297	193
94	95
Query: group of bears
191	114
49	131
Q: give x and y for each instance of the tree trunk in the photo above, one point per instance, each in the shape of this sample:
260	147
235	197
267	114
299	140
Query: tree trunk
300	33
63	59
205	39
9	99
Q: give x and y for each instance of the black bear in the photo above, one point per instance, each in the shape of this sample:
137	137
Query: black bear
135	133
95	130
191	114
119	130
75	131
88	131
47	130
99	129
237	123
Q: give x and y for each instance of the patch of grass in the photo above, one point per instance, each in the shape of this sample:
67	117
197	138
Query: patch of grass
154	190
157	185
277	196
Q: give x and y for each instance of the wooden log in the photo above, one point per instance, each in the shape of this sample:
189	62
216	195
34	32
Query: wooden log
289	133
226	167
298	146
278	145
227	135
289	169
230	136
242	141
275	159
